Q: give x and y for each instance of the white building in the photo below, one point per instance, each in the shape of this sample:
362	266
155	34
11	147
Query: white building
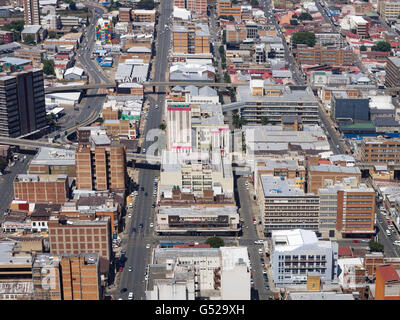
295	253
218	274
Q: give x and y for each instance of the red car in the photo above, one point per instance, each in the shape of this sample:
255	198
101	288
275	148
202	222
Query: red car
120	269
356	241
388	221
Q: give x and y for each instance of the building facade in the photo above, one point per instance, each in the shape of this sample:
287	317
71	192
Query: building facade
31	12
22	103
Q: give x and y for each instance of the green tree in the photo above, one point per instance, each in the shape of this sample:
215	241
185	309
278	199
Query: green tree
29	39
221	50
363	48
381	46
375	246
305	16
306	37
224	36
72	6
254	2
227	78
162	126
230	17
48	67
146	4
295	16
238	122
234	1
52	34
294	22
215	242
264	121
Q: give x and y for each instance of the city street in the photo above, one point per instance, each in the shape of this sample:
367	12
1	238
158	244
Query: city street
6	182
138	256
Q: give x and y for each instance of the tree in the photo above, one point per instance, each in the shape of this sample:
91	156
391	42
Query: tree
29	39
294	22
224	36
146	4
254	2
234	1
381	46
305	16
307	38
238	122
363	48
48	67
295	16
72	6
215	242
74	30
221	50
264	121
162	126
230	17
52	34
375	246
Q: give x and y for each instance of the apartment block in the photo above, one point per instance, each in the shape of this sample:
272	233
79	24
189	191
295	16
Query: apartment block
191	38
179	127
101	165
296	254
318	174
260	100
80	236
195	6
380	150
283	205
389	9
392	78
347	208
66	277
199	273
122	127
41	188
31	12
225	8
328	55
144	15
22	104
125	14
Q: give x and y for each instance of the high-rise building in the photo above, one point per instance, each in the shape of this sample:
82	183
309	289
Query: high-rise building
347	207
66	277
100	165
103	30
392	78
225	8
22	103
31	12
191	38
196	6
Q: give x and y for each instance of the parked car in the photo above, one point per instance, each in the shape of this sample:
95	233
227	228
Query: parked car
130	296
356	241
151	225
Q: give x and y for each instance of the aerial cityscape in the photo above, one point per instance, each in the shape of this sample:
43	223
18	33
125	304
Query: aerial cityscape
200	150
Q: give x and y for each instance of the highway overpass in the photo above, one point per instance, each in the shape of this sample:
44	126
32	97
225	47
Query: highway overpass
112	85
29	144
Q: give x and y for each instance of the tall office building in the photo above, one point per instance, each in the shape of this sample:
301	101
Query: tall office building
22	104
100	165
31	12
196	6
66	277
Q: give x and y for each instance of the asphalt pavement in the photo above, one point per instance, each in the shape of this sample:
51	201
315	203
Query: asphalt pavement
138	256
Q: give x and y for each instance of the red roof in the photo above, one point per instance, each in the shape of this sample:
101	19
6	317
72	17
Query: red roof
266	75
388	273
322	161
351	35
345	251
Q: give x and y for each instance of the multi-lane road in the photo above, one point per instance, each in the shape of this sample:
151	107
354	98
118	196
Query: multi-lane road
138	256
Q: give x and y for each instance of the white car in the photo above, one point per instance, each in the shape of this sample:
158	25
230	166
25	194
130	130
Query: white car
396	243
130	215
151	225
147	246
130	296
